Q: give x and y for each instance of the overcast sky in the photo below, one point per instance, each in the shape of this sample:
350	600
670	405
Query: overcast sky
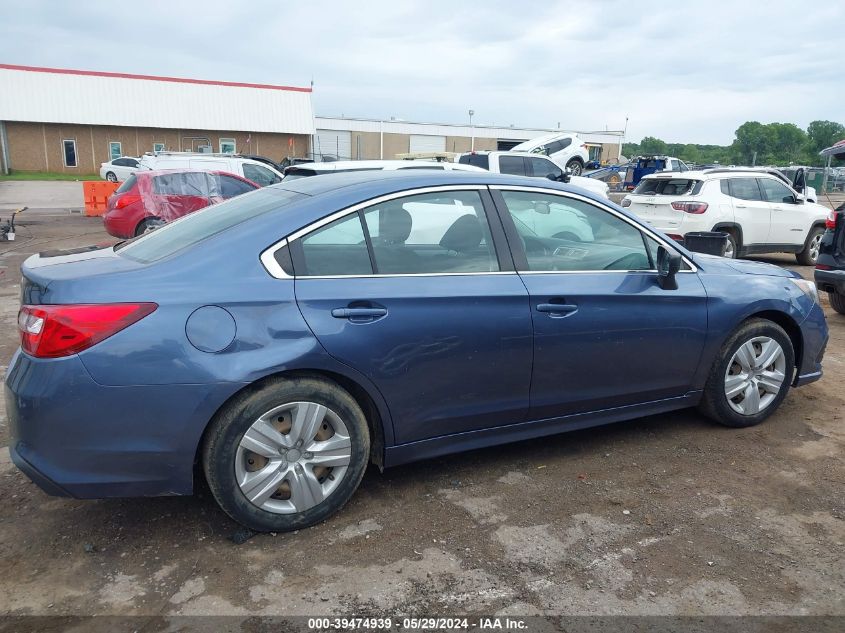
689	73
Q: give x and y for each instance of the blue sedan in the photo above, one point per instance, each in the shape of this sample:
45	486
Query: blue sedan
284	339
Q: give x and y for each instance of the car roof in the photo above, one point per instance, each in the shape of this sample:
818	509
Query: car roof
712	174
553	136
149	173
379	183
363	164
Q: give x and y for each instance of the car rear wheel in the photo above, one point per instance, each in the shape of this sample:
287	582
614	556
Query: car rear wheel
751	375
837	302
730	246
575	167
286	455
111	176
810	254
145	226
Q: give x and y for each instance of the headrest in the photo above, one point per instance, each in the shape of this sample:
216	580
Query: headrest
464	235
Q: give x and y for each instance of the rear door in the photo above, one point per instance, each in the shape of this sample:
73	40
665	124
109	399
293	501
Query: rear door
789	223
751	211
605	334
418	293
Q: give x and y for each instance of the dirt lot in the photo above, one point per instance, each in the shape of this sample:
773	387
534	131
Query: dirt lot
661	515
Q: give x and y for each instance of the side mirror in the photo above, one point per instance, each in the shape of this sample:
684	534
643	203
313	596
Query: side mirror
668	265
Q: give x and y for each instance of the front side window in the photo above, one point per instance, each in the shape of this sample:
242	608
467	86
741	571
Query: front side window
565	234
745	189
431	233
514	165
227	146
776	191
544	168
69	152
115	150
260	175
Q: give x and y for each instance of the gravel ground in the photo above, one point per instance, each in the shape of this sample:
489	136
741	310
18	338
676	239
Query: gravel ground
668	514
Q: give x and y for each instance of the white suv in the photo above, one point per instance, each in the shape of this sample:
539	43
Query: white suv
258	172
567	150
758	211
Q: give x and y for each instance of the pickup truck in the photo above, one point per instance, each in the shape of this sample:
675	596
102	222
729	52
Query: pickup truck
530	164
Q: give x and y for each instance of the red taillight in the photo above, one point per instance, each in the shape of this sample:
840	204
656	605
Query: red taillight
124	200
51	331
690	207
830	222
823	267
674	236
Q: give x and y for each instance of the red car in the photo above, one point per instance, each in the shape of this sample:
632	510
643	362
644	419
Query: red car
150	198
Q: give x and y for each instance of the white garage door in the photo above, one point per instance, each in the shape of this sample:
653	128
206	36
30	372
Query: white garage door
333	143
427	143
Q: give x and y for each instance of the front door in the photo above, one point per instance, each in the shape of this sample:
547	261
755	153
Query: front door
605	334
412	293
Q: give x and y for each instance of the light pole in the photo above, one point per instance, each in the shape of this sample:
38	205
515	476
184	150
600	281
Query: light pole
471	131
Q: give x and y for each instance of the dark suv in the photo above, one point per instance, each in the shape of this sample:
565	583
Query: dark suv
830	265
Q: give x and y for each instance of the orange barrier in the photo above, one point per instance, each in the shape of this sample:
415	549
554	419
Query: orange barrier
96	194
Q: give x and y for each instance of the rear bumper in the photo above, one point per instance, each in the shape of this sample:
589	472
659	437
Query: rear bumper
830	280
74	437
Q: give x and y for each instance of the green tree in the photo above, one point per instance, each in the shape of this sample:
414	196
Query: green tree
822	134
652	145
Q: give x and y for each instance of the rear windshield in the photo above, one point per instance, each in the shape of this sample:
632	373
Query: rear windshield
127	184
201	225
477	160
668	186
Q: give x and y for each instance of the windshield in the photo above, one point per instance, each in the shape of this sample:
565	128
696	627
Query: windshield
201	225
477	160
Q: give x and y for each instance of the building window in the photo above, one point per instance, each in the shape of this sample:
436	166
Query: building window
69	152
158	147
115	150
227	146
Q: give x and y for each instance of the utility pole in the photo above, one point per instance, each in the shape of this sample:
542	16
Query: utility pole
471	131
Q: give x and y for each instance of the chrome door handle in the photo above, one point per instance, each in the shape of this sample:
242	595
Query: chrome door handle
557	309
353	313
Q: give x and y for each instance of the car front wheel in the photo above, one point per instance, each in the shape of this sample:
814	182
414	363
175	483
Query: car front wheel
286	455
751	375
111	176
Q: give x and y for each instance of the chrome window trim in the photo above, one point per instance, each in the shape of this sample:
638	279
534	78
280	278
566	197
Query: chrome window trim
268	258
268	255
568	194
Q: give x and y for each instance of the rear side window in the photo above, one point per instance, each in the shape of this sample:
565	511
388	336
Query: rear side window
477	160
725	187
338	248
128	184
514	165
182	184
745	189
668	186
196	227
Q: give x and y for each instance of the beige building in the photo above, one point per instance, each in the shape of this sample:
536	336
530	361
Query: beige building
71	121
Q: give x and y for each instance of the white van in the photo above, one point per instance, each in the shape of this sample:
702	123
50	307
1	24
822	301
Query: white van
261	174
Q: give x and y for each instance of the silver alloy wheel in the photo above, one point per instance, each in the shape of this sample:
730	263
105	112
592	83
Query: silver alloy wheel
729	249
814	246
293	457
111	177
575	168
755	375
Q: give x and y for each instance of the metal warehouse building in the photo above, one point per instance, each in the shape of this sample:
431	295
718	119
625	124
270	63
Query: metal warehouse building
70	121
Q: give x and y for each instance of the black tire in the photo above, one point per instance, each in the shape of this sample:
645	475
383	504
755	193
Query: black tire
714	403
732	248
837	302
805	257
575	167
111	176
147	225
223	436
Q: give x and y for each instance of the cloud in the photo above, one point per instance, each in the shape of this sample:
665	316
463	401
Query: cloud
689	73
